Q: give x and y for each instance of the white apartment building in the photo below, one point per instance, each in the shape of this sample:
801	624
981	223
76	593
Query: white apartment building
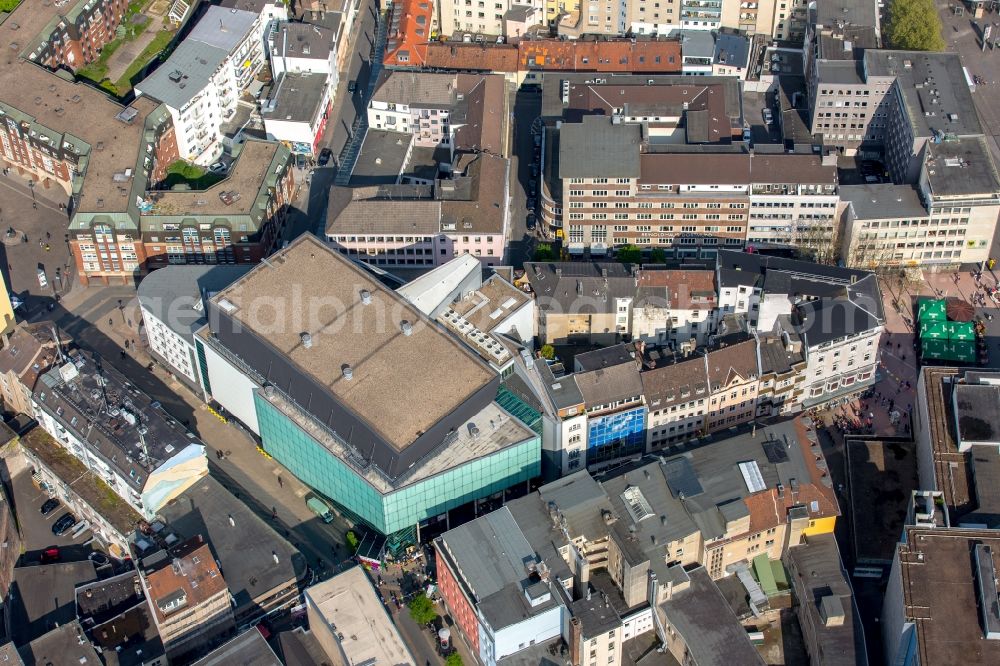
202	80
143	455
654	17
672	307
835	312
482	17
843	364
298	110
172	304
677	399
418	104
300	48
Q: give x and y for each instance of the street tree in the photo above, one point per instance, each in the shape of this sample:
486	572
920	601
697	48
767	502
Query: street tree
915	25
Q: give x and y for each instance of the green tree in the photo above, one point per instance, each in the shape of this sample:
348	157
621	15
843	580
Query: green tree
657	256
543	252
352	541
629	254
915	25
422	609
454	659
548	351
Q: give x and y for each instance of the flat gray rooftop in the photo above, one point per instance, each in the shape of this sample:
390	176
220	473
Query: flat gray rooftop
247	649
617	145
976	413
436	373
962	168
350	605
382	157
185	73
934	89
854	12
44	596
246	551
173	294
884	200
295	97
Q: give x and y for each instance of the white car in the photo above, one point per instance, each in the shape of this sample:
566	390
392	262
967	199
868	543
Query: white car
218	167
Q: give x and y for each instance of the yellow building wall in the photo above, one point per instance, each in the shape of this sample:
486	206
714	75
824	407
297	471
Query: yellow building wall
6	309
820	526
554	7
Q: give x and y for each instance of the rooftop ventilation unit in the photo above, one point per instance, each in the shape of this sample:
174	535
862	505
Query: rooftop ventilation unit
348	372
406	327
307	340
366	297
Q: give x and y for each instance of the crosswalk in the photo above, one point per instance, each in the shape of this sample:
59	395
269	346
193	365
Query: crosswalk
349	155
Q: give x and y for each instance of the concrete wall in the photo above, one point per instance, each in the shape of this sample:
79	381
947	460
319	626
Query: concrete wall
232	389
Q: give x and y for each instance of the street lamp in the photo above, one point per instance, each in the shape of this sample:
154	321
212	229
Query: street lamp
31	187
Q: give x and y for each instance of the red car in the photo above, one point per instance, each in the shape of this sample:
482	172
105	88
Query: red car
50	555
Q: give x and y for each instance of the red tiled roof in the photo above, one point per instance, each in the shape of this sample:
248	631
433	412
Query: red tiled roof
476	57
659	56
620	55
769	510
409	33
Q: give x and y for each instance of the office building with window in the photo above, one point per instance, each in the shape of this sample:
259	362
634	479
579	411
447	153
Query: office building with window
945	220
616	413
319	391
234	221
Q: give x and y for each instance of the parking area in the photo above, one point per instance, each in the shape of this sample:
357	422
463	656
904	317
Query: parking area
36	529
757	107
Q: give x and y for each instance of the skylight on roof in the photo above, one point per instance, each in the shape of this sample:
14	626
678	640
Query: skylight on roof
636	504
752	476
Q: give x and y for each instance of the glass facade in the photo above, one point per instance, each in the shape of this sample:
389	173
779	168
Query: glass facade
315	466
616	435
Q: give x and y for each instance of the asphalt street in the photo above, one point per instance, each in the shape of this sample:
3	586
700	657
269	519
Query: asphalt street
526	106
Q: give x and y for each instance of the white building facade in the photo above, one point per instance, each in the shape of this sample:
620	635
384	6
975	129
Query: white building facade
201	82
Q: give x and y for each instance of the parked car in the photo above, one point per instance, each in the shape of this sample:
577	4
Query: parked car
352	86
42	280
50	505
768	116
61	526
324	156
747	135
219	168
50	555
529	221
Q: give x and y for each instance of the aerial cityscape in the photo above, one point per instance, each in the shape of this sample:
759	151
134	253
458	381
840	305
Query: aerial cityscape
541	333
